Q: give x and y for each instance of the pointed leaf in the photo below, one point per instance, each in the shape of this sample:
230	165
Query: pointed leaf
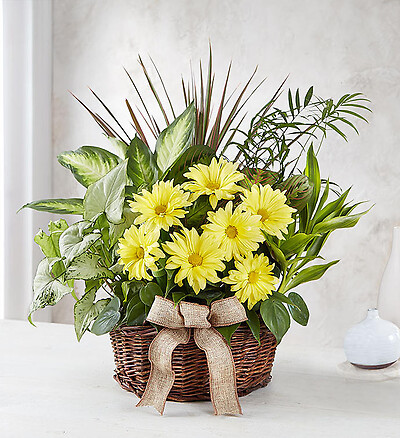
59	206
142	166
47	289
107	195
73	241
86	267
149	292
253	321
108	318
300	311
338	222
275	317
228	331
175	139
296	243
49	243
310	274
88	163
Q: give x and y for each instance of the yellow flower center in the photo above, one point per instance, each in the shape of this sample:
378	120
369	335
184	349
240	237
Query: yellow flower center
139	253
231	231
212	185
253	276
264	214
195	259
160	210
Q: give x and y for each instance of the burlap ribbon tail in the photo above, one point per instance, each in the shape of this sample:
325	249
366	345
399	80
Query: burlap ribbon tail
178	321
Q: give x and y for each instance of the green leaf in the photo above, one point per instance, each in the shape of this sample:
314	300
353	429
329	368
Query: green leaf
193	155
142	166
275	317
120	148
148	293
135	312
88	163
308	96
197	212
73	242
312	172
178	296
300	311
117	230
334	206
47	289
107	195
309	274
278	296
86	267
338	222
296	243
276	253
175	139
85	311
228	331
59	206
49	243
253	321
108	318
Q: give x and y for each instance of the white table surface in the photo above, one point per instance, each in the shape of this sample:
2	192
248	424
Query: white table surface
51	386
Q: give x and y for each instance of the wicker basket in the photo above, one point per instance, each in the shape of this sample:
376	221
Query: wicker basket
253	362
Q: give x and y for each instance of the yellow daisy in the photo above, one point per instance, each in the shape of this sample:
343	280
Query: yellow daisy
162	207
271	205
216	180
139	251
237	233
253	279
196	257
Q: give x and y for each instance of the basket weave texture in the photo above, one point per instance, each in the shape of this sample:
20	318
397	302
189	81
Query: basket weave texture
253	362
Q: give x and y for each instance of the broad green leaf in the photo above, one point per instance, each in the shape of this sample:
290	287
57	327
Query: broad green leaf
189	157
87	267
312	171
49	243
300	311
197	212
338	222
178	296
296	243
85	311
108	318
73	242
276	253
47	289
117	230
209	295
253	321
88	163
107	195
148	293
310	274
228	331
58	206
175	139
135	313
275	317
142	166
278	296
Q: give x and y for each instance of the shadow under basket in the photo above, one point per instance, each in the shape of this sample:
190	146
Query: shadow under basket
253	362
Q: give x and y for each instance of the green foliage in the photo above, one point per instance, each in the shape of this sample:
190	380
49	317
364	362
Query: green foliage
228	331
87	267
253	321
142	166
88	163
58	206
275	317
108	318
149	292
299	310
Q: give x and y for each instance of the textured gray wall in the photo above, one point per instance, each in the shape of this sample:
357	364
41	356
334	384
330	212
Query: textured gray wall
337	46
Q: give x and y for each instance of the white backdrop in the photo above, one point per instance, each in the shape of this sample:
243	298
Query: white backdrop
338	46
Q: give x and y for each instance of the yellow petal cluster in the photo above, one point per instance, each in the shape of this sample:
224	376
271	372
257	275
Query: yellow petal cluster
216	180
196	257
139	251
252	280
271	206
161	208
235	232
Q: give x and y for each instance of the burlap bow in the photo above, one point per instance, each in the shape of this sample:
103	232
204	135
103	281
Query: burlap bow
178	322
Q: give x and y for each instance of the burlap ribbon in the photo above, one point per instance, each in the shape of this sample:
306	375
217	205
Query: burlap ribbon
178	321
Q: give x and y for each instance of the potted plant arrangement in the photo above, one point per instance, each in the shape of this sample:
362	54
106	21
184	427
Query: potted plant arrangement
189	258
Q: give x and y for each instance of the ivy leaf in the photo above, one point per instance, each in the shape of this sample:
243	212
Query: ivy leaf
299	311
175	139
142	166
85	311
88	163
275	317
107	195
47	289
73	241
108	318
59	206
310	274
228	331
253	321
149	292
86	267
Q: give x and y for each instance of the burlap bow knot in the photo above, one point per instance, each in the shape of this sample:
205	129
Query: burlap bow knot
178	321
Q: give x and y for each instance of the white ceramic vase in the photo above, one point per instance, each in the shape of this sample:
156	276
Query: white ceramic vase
389	292
373	343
